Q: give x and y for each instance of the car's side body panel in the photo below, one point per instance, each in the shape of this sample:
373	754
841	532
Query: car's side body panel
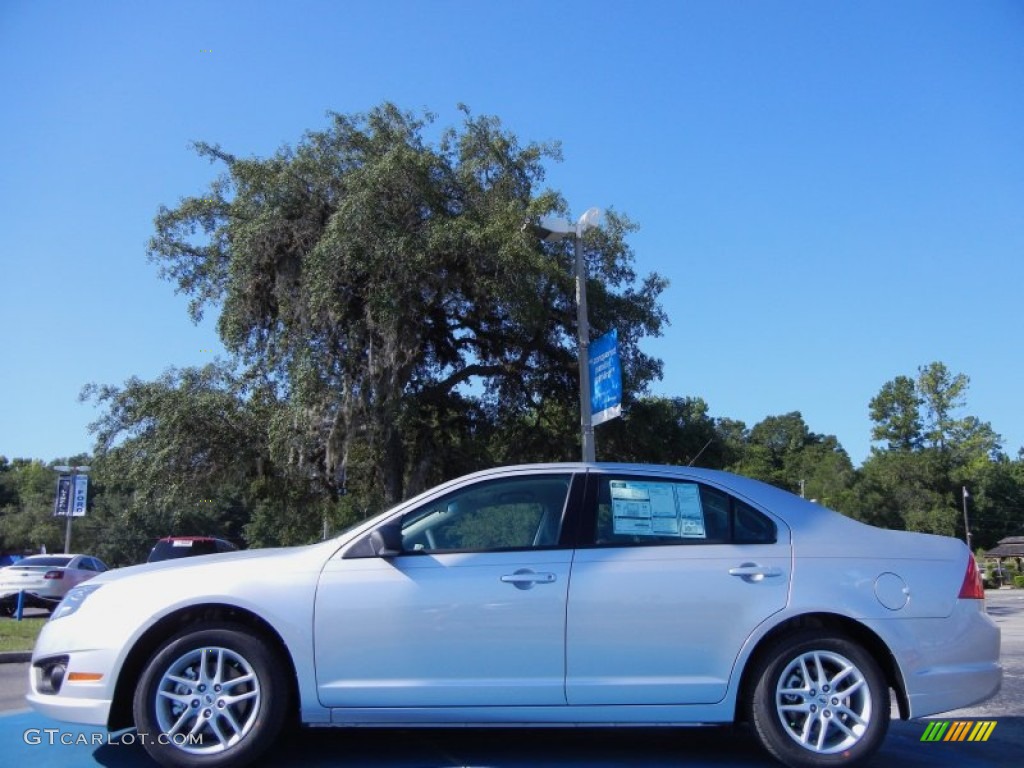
99	638
442	630
586	715
665	624
574	631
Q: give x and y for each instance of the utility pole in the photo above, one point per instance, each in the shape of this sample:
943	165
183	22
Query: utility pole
551	229
967	525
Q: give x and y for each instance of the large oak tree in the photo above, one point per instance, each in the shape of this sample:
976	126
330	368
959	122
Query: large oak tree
381	284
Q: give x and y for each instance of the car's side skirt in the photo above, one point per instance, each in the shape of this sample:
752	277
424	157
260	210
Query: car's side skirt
448	717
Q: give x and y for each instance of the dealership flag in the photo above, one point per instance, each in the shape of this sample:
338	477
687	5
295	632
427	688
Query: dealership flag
605	378
62	501
79	498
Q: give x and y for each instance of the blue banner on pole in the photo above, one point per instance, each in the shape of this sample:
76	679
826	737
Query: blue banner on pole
81	490
605	378
62	501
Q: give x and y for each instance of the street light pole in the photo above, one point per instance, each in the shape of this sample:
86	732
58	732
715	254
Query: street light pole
71	502
967	525
553	229
583	345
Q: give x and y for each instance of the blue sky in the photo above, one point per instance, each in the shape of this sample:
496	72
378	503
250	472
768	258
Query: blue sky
834	189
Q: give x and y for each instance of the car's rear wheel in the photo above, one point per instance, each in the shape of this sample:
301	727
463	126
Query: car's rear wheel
820	701
211	696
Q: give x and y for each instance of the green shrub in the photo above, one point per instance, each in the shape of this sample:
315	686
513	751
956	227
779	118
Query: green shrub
1018	582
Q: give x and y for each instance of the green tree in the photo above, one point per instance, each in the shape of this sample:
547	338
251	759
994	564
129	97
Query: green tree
382	287
904	490
932	452
665	430
895	410
996	502
941	393
26	519
783	451
188	454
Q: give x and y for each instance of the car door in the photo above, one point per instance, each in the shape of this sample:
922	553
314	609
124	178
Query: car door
672	578
469	611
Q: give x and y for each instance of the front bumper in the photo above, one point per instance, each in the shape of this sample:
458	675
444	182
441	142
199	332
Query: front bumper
87	701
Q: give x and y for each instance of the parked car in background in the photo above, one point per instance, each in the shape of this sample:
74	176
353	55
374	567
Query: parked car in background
45	579
173	547
555	594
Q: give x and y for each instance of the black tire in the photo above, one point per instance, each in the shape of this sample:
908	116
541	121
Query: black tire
238	712
810	713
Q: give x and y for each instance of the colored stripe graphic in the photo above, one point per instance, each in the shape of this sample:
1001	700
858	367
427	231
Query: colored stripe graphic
935	730
982	730
959	730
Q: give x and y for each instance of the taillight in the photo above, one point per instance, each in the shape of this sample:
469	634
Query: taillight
54	575
972	588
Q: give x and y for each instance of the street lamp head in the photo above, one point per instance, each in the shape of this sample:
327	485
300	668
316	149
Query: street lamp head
551	229
591	218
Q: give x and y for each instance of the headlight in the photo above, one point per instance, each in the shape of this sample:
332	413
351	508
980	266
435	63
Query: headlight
73	600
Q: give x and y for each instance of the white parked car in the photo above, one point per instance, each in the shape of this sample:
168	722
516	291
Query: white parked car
45	579
547	594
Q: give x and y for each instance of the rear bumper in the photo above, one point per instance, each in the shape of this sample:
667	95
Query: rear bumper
946	663
941	689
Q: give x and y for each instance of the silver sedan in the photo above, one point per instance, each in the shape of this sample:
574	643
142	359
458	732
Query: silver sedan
45	579
558	594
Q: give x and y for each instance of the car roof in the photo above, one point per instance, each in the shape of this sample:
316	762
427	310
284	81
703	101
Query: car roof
735	482
778	500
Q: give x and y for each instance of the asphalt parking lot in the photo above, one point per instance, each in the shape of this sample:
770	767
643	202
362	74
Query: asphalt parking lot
25	740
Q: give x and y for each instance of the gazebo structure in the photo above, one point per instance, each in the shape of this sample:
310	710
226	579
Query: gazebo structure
1011	546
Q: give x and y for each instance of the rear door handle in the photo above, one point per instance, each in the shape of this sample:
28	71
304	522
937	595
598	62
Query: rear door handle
524	578
752	572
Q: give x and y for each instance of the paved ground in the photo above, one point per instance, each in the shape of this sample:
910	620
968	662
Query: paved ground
579	748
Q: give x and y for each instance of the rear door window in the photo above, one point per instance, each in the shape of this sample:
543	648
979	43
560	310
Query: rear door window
640	511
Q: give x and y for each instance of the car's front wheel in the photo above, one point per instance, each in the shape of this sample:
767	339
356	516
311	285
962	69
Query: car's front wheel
211	696
820	701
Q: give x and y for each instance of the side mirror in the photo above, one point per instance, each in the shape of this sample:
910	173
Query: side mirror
386	541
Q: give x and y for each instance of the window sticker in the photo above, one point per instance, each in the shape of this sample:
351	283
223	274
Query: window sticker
656	509
691	515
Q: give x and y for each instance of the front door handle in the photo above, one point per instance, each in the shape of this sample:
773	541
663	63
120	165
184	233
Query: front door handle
524	578
752	572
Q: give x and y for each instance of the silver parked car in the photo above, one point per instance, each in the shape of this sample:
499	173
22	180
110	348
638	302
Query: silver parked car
45	579
549	594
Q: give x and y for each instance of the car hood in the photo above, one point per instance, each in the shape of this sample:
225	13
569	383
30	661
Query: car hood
242	559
